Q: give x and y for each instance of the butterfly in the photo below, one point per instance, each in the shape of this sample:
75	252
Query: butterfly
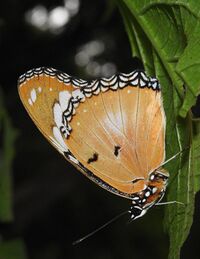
111	129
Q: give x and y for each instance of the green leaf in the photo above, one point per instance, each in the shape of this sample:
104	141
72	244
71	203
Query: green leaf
8	135
178	218
127	18
165	36
172	28
140	45
14	249
189	62
189	100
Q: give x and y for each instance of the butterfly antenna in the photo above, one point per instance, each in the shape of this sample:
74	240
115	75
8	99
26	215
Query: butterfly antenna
174	156
177	154
170	202
98	229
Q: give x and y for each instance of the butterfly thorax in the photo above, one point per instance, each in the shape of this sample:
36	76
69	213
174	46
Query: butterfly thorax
152	194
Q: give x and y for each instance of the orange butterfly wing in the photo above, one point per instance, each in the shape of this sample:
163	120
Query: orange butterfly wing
112	130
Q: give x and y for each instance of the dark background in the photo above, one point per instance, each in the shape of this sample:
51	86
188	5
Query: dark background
53	203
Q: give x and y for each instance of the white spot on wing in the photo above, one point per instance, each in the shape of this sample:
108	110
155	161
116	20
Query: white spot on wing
30	101
114	87
59	139
33	95
57	112
56	144
73	159
123	78
77	94
64	98
154	85
121	84
142	83
135	82
39	89
113	81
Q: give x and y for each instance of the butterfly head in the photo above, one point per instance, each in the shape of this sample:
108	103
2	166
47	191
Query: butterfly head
152	194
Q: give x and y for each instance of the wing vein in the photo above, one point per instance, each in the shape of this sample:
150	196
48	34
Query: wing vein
155	146
123	133
136	128
150	118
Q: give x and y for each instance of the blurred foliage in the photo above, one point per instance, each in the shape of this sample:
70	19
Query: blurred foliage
8	136
8	249
159	34
12	250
